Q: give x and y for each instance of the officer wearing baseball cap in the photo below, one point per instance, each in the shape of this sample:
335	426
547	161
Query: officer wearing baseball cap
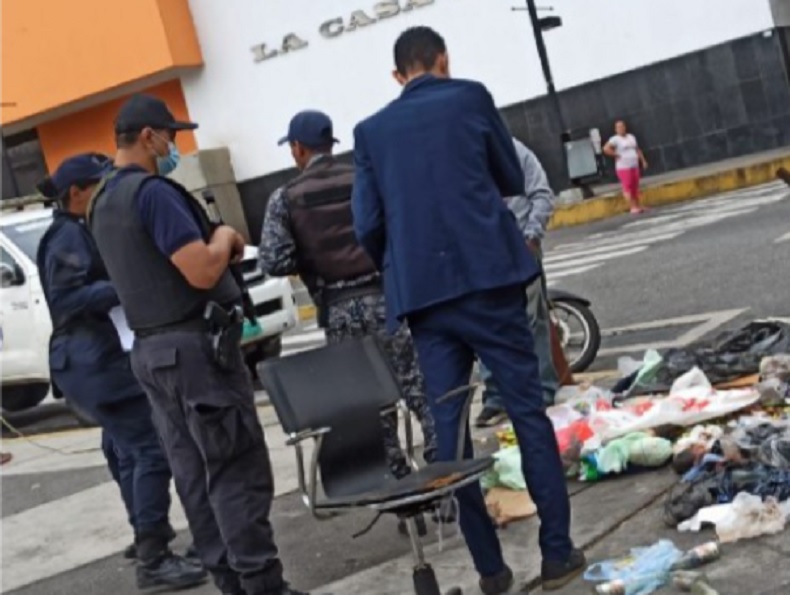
308	231
310	128
170	266
89	366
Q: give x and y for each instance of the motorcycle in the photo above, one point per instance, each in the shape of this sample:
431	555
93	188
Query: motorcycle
577	327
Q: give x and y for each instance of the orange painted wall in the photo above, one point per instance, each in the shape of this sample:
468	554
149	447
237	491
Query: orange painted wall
92	129
56	52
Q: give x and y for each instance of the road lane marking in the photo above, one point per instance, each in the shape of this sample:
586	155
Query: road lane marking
554	257
569	272
705	323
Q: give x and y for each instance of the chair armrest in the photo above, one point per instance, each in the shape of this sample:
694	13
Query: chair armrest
463	422
308	486
294	439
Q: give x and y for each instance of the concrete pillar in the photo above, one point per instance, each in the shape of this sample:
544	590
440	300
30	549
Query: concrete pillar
781	12
212	170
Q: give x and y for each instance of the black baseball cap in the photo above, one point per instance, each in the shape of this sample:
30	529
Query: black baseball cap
311	128
80	169
145	111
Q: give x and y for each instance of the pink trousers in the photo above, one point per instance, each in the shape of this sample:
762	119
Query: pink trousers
629	178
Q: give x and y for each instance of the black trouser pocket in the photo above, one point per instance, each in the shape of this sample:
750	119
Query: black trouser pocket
226	432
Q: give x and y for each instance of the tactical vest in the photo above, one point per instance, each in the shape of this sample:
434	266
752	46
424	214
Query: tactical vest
319	205
153	292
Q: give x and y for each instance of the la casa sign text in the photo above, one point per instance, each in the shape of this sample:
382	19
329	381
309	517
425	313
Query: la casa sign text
338	26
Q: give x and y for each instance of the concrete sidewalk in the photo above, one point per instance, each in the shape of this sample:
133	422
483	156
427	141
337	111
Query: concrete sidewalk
677	186
609	518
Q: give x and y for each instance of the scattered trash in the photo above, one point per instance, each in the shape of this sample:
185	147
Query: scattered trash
729	356
774	387
698	556
638	448
507	506
693	582
647	569
744	518
691	448
506	472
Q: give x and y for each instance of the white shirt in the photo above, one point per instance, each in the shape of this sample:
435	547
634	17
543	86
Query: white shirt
625	147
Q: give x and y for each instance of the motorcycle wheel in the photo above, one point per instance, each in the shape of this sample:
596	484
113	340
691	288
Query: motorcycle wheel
587	341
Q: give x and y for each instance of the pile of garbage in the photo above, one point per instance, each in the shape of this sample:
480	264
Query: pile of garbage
719	467
718	411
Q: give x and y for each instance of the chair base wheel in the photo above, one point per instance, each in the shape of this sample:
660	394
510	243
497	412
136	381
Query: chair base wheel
425	582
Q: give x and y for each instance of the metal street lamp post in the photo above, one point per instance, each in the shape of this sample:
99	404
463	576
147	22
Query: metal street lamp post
538	26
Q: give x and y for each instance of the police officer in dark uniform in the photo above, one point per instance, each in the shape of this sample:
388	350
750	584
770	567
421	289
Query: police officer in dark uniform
308	231
171	269
90	367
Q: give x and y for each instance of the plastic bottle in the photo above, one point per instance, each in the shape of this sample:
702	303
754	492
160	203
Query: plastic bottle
698	556
644	583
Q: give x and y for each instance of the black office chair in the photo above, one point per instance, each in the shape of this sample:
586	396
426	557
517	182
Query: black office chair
336	396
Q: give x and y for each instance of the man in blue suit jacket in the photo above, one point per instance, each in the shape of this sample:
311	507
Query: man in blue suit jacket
432	169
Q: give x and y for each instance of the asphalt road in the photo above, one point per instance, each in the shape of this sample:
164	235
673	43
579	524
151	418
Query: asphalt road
734	263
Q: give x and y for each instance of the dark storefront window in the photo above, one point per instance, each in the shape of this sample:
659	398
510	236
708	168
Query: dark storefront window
23	164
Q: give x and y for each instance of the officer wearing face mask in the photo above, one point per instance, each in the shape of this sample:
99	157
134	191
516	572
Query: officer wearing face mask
90	367
171	269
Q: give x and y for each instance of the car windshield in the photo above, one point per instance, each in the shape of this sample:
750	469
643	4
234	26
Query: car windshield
27	236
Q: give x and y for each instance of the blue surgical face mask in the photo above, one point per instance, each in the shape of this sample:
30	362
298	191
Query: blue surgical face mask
165	165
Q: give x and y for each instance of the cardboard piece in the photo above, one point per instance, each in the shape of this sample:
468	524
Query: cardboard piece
506	506
744	382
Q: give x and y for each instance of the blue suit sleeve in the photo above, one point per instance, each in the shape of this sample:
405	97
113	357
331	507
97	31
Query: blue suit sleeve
503	160
67	266
166	216
366	203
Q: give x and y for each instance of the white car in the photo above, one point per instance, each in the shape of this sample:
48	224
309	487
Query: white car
25	325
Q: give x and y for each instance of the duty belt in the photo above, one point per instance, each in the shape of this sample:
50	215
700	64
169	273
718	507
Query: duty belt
190	325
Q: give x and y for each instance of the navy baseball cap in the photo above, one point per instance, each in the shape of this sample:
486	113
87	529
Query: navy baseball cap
80	169
311	128
146	111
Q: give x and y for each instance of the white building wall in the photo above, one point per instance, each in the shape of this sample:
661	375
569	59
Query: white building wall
246	105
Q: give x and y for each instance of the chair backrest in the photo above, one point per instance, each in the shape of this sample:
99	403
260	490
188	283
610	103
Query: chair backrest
343	387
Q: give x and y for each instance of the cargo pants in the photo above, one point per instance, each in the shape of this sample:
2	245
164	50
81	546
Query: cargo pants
208	424
366	315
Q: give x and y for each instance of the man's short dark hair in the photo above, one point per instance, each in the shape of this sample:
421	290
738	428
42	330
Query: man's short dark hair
124	140
418	48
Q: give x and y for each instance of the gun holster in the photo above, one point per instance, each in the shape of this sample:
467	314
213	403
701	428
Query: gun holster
225	328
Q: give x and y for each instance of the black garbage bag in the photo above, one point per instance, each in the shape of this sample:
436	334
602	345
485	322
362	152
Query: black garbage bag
731	355
720	486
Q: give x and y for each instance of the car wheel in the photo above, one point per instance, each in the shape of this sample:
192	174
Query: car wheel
23	396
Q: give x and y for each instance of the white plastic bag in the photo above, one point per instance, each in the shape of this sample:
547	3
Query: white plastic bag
693	380
747	516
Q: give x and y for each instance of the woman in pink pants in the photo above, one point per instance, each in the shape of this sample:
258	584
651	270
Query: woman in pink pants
628	157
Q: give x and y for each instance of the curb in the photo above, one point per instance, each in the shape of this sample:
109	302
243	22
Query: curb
604	207
307	313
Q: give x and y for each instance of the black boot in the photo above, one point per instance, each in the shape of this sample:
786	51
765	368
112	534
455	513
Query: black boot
159	567
130	553
191	555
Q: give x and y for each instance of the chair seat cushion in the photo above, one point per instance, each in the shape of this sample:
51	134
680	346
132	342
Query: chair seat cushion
425	481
